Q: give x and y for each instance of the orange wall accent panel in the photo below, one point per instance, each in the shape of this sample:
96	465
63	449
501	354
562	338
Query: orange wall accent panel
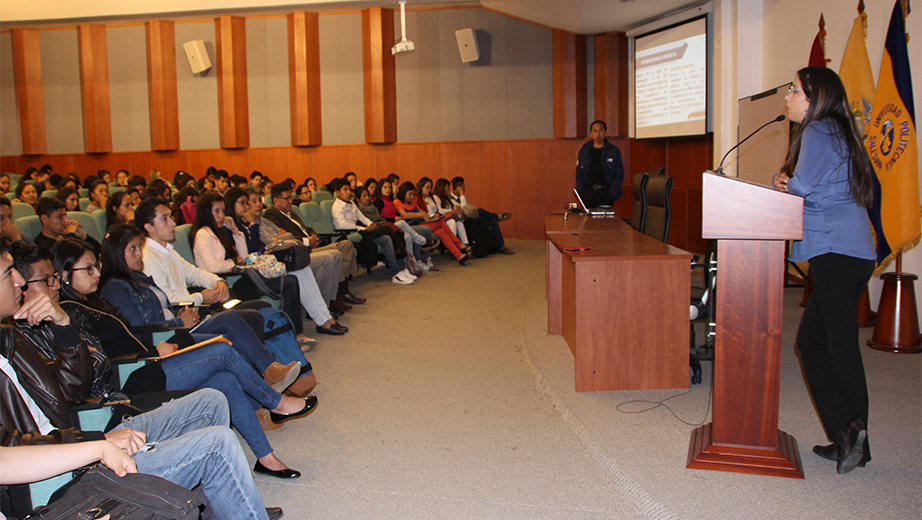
569	77
611	81
94	88
304	78
233	103
380	75
162	95
27	69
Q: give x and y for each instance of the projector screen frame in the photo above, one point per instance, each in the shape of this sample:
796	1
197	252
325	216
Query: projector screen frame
705	11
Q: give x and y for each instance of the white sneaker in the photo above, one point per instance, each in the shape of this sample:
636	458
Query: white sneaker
424	267
419	240
401	280
429	263
408	274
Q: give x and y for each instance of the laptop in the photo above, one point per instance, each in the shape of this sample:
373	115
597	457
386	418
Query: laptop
595	212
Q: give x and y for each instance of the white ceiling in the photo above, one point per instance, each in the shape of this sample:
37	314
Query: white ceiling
580	16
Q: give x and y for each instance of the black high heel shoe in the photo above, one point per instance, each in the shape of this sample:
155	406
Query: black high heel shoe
310	404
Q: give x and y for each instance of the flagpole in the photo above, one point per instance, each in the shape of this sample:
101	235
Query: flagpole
897	327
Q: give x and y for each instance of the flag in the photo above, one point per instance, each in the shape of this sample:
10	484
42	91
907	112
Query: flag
856	74
818	51
893	149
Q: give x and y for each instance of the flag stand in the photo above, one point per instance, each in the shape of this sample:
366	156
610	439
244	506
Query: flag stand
897	327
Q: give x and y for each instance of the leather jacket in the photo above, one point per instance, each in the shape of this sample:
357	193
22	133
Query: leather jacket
54	388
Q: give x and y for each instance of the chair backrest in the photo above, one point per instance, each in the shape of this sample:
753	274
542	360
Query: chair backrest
296	209
640	201
14	177
320	196
30	226
84	202
267	199
181	243
83	192
49	193
326	211
113	184
116	189
313	215
102	222
659	212
21	209
88	223
656	171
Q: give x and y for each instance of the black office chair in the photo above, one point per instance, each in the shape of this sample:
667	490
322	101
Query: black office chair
656	171
659	212
702	308
639	216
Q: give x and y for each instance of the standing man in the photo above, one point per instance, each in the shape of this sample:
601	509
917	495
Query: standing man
599	169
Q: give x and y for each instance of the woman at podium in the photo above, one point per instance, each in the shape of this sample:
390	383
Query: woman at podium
828	166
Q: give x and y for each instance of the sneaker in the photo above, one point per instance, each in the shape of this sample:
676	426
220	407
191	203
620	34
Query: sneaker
429	263
419	240
424	267
408	274
401	280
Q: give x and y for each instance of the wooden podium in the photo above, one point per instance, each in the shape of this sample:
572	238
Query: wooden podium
751	223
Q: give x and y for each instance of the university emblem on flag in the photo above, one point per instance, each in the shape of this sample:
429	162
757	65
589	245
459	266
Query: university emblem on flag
889	136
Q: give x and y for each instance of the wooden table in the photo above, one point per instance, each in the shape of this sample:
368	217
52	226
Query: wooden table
622	307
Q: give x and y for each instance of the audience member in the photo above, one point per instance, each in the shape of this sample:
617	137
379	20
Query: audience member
492	220
9	231
221	181
70	197
311	183
26	193
406	206
99	194
56	225
5	183
304	194
119	210
121	178
432	204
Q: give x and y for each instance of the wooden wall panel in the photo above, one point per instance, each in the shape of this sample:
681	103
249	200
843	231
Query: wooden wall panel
27	68
88	164
335	161
611	81
234	161
233	101
94	88
379	75
280	162
688	159
10	164
304	79
141	163
59	163
163	99
569	58
409	160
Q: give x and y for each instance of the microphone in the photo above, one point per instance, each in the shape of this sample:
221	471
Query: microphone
720	169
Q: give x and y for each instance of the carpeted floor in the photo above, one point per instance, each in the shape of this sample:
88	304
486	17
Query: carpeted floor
448	400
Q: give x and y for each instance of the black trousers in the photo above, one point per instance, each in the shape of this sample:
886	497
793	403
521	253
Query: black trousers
828	340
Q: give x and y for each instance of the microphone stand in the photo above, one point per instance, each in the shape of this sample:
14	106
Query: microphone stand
720	168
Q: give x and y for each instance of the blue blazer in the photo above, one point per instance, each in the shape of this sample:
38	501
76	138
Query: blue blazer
612	168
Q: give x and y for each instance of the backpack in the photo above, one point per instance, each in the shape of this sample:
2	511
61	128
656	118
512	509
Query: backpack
480	238
280	338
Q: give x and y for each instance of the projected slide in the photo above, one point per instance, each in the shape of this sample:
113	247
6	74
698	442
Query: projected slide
670	85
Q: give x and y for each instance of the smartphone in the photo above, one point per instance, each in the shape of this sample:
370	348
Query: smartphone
230	304
583	249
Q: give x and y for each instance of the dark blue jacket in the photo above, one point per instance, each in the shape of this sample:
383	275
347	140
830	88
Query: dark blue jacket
612	168
139	304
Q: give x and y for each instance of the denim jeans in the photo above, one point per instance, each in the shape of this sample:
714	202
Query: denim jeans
235	329
390	258
195	446
220	367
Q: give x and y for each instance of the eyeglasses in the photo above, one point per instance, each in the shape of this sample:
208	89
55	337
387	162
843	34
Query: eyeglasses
792	90
49	280
91	270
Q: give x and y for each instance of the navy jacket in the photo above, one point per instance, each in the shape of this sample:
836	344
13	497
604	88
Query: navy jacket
612	168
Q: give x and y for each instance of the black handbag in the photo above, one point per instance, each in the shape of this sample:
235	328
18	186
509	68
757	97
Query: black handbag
295	255
135	496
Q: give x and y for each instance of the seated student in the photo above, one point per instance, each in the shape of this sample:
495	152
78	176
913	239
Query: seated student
394	179
72	180
305	291
183	208
119	210
136	181
154	175
347	216
56	226
39	180
311	184
25	193
352	179
492	220
425	198
9	232
371	184
162	188
5	183
104	175
221	181
70	197
182	180
41	394
121	178
281	216
99	194
304	194
265	186
255	177
226	368
414	240
406	206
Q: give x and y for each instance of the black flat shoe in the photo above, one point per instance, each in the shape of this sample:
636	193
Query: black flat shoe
274	513
350	298
850	445
310	404
334	330
281	473
828	452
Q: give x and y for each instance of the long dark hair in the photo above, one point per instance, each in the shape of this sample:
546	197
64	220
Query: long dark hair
826	94
379	190
65	192
402	191
441	189
113	254
65	255
112	204
204	218
230	202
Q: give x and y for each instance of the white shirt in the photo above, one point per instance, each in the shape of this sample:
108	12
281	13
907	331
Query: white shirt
44	425
208	251
347	214
173	274
456	201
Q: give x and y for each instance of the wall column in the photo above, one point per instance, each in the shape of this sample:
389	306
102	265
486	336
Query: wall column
304	78
380	75
233	101
162	96
569	57
611	82
94	88
27	72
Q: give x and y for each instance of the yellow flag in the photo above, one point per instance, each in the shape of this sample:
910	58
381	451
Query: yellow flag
856	75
